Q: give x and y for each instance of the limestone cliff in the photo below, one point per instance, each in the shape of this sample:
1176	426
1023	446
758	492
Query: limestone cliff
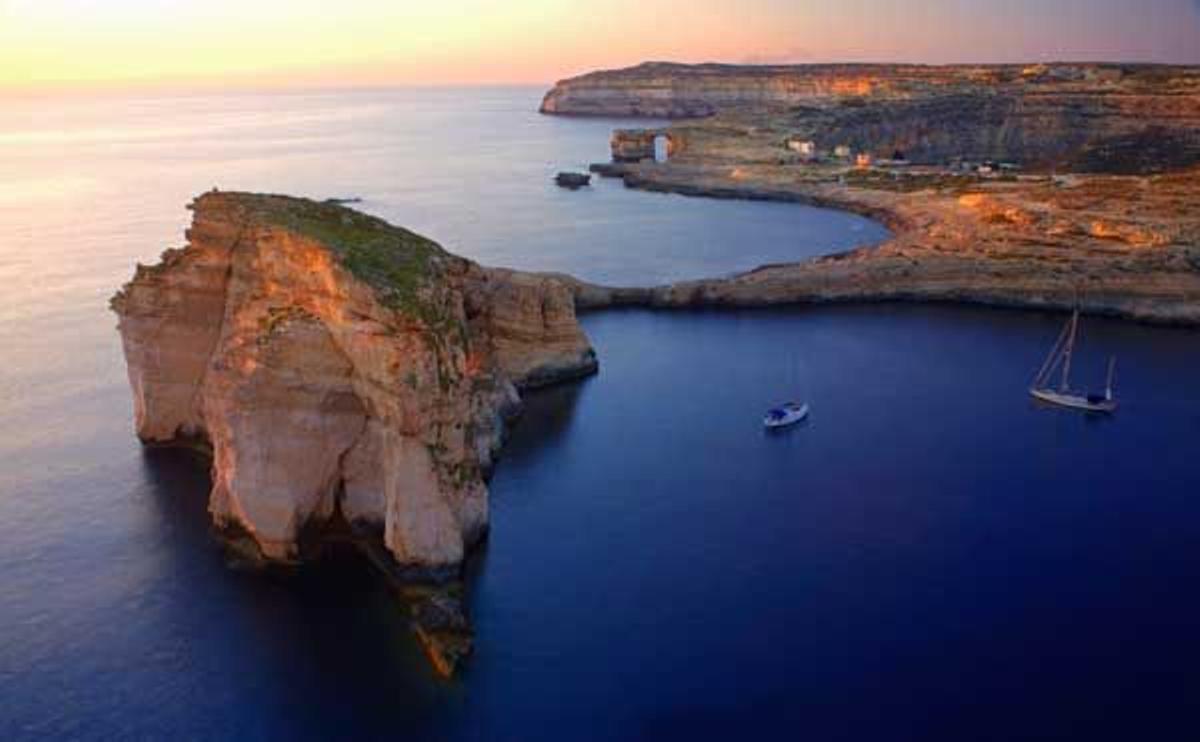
1082	117
908	145
340	369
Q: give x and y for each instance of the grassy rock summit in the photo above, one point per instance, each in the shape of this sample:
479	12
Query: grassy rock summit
1037	186
348	376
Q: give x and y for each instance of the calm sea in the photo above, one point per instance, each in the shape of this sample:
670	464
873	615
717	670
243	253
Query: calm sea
931	556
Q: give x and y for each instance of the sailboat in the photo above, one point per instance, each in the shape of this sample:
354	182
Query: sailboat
788	413
1063	395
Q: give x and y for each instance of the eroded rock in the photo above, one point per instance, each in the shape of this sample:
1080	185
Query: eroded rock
1085	117
339	367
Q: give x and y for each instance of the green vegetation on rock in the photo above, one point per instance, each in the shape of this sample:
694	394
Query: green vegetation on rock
396	262
403	267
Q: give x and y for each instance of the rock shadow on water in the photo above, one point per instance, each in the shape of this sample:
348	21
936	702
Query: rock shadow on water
338	617
546	414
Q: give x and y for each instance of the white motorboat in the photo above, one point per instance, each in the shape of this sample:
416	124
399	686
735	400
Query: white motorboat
784	415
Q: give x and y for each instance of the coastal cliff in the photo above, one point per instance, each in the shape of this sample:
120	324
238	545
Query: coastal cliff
1082	117
344	374
1030	186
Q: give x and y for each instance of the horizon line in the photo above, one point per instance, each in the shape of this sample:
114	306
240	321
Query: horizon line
250	82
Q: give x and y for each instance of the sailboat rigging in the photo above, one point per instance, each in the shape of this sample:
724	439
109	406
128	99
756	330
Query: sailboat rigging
1060	357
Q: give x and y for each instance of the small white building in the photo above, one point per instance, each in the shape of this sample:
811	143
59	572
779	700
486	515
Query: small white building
806	147
842	151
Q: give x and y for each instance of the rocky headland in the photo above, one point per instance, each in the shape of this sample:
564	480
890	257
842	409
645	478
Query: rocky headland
351	380
1032	186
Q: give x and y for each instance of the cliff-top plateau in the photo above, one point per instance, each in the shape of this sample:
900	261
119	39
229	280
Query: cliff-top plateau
1079	117
350	379
1045	185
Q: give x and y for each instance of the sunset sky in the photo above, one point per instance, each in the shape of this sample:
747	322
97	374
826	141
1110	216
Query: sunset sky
50	43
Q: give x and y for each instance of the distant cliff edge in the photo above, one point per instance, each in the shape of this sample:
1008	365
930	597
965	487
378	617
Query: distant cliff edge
1081	117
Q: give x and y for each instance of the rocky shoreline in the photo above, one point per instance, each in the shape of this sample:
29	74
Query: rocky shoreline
983	245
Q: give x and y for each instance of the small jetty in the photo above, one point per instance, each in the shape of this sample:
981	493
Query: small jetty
573	180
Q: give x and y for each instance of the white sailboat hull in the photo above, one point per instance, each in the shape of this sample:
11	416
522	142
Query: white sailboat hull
1074	401
1060	355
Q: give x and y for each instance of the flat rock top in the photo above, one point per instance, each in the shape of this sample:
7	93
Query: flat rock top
978	73
391	259
335	225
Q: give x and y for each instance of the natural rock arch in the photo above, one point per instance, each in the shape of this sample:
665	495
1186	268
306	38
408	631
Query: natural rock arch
663	147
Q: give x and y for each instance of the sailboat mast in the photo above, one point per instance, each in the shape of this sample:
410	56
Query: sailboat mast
1068	351
1052	359
1112	368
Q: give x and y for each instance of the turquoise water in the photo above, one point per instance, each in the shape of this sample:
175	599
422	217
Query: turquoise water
931	556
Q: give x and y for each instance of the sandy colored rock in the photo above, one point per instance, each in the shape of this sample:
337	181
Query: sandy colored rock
1093	205
1082	117
1118	245
337	365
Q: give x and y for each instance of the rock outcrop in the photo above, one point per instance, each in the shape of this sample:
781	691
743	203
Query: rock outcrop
1081	117
340	370
632	145
573	181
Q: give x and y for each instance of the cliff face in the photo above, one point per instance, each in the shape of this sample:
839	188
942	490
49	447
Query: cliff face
339	368
669	90
1083	117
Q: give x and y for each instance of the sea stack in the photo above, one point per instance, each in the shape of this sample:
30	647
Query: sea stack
342	371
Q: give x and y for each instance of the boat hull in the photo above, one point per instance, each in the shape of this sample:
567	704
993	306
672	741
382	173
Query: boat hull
788	420
1074	401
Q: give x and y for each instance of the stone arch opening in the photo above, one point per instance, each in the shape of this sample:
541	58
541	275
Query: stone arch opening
662	147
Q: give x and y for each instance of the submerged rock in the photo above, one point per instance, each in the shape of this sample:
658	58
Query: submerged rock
440	623
340	370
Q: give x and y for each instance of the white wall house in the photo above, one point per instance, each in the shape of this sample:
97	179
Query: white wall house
805	147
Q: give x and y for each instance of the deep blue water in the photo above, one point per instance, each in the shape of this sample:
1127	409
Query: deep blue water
931	556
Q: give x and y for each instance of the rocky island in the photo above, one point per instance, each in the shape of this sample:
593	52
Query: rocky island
351	379
1036	185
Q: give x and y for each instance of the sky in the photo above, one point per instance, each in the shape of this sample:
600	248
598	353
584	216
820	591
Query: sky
55	43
